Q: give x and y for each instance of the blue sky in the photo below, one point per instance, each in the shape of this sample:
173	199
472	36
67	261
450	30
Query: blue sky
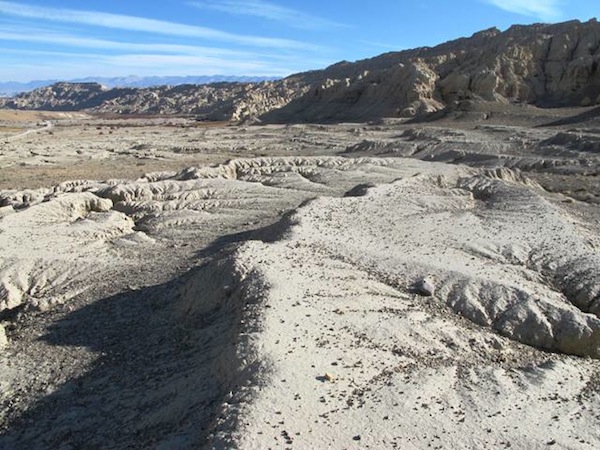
66	39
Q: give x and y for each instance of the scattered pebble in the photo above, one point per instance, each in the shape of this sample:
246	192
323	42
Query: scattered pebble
330	377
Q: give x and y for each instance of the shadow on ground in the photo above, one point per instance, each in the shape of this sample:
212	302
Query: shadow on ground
157	382
581	119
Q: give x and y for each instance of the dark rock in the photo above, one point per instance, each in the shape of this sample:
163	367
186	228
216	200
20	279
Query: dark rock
424	287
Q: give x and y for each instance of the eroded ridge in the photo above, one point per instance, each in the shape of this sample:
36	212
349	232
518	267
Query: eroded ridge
344	342
499	253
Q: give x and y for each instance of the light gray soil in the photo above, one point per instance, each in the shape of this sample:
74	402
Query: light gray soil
147	305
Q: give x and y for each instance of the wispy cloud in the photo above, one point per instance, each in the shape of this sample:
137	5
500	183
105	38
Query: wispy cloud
541	9
42	65
135	23
189	64
134	58
104	57
270	11
42	36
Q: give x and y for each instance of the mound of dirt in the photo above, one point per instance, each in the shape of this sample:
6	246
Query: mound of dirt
348	351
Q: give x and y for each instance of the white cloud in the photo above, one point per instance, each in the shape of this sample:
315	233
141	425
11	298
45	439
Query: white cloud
187	64
547	10
192	61
90	58
271	11
42	36
77	40
42	65
134	23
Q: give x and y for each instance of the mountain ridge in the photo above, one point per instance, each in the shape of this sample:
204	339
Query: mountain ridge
546	65
11	88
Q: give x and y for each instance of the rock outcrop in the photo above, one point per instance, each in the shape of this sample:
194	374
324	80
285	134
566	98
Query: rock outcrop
543	65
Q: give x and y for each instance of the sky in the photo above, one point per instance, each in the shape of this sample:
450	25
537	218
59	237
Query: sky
68	39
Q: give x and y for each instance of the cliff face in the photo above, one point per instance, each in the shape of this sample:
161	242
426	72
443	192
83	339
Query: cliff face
545	65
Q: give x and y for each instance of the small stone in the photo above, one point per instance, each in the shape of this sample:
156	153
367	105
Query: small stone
330	377
496	343
356	438
425	287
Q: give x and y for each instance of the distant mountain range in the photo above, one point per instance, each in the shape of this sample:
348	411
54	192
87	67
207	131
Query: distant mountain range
11	88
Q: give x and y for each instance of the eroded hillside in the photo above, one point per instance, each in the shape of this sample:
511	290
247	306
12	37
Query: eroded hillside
543	65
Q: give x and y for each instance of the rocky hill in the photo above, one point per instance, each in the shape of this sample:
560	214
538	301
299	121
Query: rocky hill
12	88
543	65
217	101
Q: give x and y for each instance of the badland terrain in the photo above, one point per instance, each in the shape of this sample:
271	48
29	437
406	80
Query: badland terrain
400	252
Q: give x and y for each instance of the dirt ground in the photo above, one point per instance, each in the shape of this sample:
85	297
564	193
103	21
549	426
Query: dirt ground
103	349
